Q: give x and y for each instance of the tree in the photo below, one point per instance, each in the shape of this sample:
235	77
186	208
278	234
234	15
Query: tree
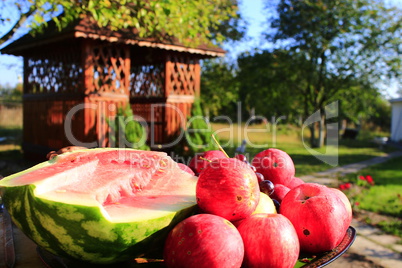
267	83
191	22
198	133
10	94
126	131
219	87
341	43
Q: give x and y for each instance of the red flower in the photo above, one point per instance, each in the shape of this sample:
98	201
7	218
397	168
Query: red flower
357	203
369	179
345	186
361	177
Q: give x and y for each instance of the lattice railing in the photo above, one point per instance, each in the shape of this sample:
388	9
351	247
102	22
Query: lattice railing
147	81
182	75
110	68
54	71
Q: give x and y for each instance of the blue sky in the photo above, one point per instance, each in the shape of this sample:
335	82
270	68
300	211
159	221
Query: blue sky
252	11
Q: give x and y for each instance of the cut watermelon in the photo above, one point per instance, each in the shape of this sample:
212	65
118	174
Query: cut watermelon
100	205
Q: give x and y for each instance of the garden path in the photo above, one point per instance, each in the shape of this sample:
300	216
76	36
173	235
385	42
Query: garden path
372	247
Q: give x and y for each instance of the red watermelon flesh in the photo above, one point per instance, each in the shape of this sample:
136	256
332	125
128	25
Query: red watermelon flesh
113	178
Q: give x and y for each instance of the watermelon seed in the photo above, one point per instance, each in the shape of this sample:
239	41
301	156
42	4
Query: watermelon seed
239	198
189	252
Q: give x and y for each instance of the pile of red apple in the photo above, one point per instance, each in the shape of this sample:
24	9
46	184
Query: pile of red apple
239	224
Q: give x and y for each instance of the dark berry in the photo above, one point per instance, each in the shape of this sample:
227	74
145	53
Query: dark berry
241	157
277	205
267	187
260	177
253	167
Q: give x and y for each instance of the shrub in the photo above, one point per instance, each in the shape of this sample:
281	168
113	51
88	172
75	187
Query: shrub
126	131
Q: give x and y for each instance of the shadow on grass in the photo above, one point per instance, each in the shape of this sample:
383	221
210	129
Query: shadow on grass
10	136
11	155
356	143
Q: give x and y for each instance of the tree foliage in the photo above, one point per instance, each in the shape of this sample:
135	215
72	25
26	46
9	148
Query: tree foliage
191	22
336	44
219	86
11	94
198	133
268	83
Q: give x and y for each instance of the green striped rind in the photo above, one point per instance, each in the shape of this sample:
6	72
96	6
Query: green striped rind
81	232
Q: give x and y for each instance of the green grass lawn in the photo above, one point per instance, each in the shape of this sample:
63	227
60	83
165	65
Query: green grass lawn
11	157
384	197
290	139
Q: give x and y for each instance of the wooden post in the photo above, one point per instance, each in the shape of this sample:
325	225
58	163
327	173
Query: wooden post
127	70
88	70
168	73
197	81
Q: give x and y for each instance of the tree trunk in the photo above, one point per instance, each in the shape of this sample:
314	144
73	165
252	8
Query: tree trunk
312	136
321	134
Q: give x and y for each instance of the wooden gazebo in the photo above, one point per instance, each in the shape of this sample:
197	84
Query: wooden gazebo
76	78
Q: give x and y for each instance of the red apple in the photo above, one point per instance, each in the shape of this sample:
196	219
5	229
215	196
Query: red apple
279	193
345	200
265	205
201	160
318	215
270	240
276	165
204	240
229	188
294	182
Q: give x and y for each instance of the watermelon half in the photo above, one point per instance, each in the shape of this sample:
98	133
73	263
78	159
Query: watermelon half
100	205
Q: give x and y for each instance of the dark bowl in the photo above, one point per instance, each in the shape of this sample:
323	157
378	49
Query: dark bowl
305	260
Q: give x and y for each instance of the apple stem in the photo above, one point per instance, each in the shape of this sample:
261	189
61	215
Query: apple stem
219	146
209	160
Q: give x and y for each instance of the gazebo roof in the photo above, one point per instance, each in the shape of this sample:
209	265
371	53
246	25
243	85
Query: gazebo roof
87	29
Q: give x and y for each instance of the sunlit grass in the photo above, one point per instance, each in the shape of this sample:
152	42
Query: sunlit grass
385	196
295	142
